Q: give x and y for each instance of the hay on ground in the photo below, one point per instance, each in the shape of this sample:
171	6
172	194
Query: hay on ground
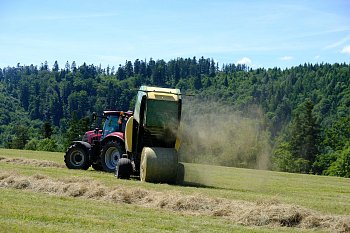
269	213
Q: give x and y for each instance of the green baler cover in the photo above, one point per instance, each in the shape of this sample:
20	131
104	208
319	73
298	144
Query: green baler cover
162	114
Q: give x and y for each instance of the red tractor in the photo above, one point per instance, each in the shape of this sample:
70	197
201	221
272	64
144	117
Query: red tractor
100	149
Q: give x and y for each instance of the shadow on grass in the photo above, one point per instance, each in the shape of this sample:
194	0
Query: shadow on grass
199	185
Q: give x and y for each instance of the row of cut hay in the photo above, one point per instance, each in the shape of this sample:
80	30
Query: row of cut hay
262	213
31	162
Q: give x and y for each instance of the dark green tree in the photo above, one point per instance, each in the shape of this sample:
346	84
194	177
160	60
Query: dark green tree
47	129
67	67
21	137
305	134
76	128
212	71
121	73
107	70
25	94
74	67
129	70
55	67
197	82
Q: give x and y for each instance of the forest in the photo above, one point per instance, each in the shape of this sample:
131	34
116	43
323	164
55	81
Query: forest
298	118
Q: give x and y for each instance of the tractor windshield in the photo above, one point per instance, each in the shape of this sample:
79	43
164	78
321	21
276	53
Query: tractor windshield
112	125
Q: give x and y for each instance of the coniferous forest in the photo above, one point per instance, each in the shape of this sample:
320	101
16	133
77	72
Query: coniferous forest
304	111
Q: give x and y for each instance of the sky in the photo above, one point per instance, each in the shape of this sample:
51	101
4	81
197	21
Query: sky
277	33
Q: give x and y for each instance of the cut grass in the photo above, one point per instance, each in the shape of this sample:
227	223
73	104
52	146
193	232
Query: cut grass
326	194
36	212
29	154
22	210
329	195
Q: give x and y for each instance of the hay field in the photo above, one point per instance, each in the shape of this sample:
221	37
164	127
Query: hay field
38	194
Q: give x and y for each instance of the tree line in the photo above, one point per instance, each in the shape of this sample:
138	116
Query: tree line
305	108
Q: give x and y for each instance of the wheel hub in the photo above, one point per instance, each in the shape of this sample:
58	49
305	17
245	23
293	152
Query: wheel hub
112	157
77	158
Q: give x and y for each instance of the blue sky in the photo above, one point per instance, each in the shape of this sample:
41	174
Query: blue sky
257	33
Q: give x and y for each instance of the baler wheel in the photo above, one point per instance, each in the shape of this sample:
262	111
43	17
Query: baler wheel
124	168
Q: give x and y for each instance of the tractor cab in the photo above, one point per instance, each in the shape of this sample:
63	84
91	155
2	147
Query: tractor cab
115	122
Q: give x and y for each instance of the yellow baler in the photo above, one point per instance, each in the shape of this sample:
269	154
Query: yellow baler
151	136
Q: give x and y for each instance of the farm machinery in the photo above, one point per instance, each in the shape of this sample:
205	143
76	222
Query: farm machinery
151	141
100	149
147	144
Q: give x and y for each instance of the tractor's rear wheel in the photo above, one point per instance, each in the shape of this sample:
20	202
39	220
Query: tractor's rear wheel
158	165
110	155
124	168
77	157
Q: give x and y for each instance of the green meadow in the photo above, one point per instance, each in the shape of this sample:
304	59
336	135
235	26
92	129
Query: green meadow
24	209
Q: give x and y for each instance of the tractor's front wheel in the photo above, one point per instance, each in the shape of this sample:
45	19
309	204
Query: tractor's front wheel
110	155
77	157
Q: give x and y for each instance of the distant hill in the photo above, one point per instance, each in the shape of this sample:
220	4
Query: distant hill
301	114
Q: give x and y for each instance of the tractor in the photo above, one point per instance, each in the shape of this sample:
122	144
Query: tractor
100	149
151	141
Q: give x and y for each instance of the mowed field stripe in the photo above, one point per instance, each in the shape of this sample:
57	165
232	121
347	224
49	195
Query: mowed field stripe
269	213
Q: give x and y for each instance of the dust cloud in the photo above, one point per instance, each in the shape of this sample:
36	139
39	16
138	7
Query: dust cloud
214	133
266	213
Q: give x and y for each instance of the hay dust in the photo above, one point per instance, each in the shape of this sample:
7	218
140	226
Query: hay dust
31	162
269	213
214	133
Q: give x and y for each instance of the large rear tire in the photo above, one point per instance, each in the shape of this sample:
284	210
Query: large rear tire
77	157
158	165
124	168
110	155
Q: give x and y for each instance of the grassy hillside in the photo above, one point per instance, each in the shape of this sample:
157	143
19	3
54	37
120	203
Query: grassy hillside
45	109
38	194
